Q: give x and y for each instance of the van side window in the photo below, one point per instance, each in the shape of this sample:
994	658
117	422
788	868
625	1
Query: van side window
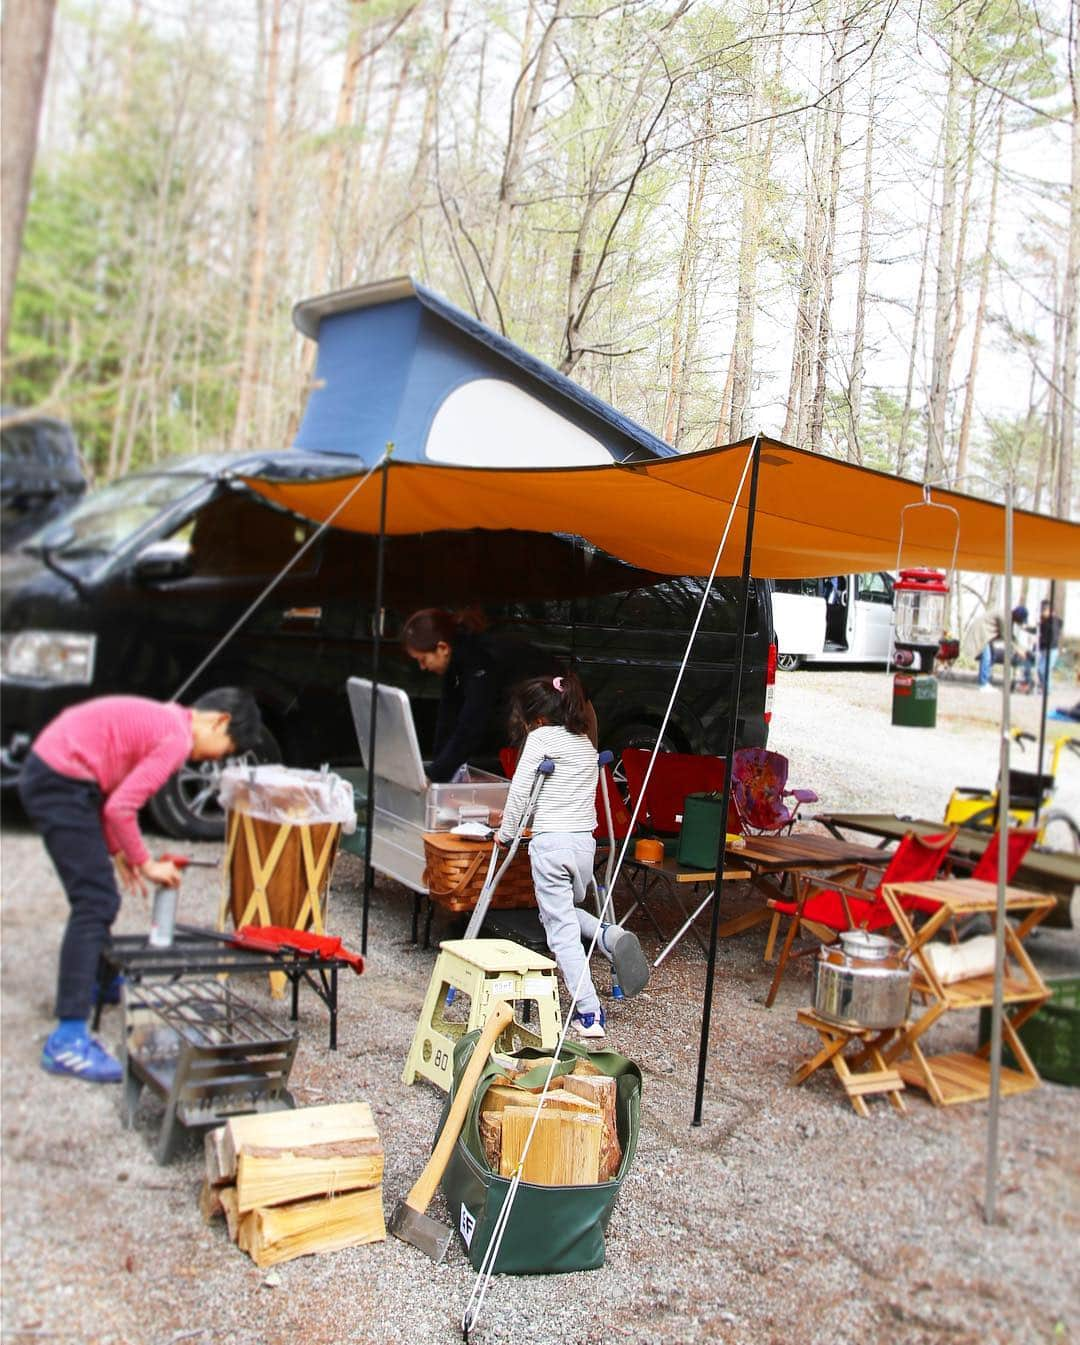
804	588
874	587
270	539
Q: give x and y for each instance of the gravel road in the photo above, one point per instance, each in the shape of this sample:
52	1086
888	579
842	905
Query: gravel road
784	1218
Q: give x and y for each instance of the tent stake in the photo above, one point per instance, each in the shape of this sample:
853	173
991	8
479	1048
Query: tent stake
736	694
369	819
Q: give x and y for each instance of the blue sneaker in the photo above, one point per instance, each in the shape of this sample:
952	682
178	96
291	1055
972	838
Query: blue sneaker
81	1057
589	1025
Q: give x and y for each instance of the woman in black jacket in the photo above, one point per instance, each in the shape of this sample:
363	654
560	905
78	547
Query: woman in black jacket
478	670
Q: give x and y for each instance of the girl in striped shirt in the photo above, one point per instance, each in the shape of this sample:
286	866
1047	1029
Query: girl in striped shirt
552	712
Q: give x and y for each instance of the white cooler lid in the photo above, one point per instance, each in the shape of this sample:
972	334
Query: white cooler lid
397	749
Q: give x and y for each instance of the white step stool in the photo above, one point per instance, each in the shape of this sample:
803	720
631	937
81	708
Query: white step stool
486	970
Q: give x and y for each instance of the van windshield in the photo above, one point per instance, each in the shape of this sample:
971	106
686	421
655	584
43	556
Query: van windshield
107	518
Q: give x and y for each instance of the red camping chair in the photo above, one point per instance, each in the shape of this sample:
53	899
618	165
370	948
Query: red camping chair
759	788
1021	839
830	911
674	775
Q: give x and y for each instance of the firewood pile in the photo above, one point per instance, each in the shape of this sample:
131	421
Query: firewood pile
576	1142
290	1183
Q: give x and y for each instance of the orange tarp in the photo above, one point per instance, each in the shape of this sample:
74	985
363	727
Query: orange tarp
815	515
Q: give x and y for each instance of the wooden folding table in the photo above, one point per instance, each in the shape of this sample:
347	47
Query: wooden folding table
962	1076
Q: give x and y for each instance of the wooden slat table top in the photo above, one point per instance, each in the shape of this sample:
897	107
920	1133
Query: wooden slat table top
970	896
806	850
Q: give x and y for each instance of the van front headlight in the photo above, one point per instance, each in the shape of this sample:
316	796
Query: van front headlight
52	657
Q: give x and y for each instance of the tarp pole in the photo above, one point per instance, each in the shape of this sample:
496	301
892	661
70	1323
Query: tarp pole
1043	708
380	552
736	694
990	1211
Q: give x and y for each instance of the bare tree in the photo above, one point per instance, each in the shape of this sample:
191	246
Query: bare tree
25	39
263	187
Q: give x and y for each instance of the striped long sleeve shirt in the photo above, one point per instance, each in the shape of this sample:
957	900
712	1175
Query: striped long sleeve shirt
567	799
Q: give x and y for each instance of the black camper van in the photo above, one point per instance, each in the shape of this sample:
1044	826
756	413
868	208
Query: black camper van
134	587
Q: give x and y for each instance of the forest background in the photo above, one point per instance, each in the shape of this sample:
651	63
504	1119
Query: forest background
853	224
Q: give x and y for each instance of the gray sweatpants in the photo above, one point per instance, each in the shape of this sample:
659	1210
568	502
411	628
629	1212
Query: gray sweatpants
562	869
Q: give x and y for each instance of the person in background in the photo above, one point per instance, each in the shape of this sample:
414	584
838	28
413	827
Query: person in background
87	775
551	711
1049	639
478	670
988	629
1024	638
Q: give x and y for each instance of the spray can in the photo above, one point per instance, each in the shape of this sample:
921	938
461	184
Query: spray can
163	918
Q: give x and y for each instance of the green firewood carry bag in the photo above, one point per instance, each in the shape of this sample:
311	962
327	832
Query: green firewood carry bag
551	1229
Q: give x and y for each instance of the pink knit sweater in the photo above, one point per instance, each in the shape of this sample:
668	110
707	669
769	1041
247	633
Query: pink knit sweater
127	744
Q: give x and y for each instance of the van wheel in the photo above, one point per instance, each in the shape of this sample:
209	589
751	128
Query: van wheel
187	807
789	662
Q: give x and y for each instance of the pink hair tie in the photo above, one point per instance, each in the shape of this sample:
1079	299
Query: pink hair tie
557	683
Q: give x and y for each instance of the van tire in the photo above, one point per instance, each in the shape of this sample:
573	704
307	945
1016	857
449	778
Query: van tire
789	662
186	807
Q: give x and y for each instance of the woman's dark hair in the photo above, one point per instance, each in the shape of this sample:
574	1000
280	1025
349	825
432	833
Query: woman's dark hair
557	700
426	628
245	721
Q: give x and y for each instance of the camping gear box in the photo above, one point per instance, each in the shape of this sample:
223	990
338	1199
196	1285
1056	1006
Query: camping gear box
406	804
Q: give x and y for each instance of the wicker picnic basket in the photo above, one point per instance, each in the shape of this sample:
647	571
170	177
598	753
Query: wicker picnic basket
456	867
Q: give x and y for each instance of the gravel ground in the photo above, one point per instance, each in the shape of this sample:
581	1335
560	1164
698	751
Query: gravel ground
783	1218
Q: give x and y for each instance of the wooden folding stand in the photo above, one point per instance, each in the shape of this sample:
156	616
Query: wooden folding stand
858	1081
277	873
962	1076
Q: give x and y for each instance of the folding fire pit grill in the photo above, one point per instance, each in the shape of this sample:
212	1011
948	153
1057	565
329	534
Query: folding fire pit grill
206	1051
205	952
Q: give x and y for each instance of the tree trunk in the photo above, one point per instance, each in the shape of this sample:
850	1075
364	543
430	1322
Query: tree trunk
733	424
24	58
683	301
517	140
330	197
264	179
980	307
1071	291
858	348
809	301
944	296
913	351
817	413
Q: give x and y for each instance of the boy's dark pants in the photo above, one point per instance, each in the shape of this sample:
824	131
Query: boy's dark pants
67	814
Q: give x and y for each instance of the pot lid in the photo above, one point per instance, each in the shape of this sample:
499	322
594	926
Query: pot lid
860	943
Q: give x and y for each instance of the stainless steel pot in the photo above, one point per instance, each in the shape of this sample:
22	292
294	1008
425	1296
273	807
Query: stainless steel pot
862	983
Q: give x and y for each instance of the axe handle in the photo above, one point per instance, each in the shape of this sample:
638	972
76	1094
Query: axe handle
424	1187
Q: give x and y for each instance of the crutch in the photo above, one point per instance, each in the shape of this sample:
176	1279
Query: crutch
494	874
601	890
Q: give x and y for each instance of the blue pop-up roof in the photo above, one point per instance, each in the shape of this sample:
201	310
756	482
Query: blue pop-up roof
399	364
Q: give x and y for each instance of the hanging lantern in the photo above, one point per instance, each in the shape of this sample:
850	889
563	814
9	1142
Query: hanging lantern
919	599
919	616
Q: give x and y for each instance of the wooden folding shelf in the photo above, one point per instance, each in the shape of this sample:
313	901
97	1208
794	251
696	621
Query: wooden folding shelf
962	1076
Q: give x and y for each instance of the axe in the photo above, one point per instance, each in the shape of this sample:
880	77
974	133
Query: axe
410	1222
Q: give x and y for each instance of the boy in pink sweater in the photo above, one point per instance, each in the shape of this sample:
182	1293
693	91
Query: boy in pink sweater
85	779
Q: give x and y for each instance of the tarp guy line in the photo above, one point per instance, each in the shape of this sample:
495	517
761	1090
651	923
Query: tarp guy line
275	581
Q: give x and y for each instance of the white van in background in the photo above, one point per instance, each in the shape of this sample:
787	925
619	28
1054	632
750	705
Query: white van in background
846	618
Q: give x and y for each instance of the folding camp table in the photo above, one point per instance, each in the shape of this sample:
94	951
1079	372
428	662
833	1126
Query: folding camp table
644	878
765	861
